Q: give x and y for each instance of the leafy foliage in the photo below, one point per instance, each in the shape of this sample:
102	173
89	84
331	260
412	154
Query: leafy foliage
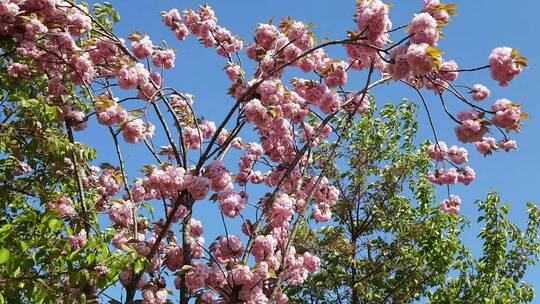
388	243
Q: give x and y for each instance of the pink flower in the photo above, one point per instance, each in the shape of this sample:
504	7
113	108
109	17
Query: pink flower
108	184
400	68
142	48
430	5
218	174
311	262
466	175
310	90
329	102
451	205
8	8
231	202
35	28
18	70
299	34
198	187
195	227
130	77
334	72
419	60
163	58
312	61
322	212
122	213
171	18
181	32
486	145
208	128
103	50
263	247
458	155
83	69
448	70
423	29
77	241
438	151
372	19
442	176
137	130
471	129
480	92
257	113
271	91
506	115
196	276
108	112
63	206
281	298
233	71
226	248
281	211
507	144
174	258
154	295
78	23
503	65
125	278
192	138
265	35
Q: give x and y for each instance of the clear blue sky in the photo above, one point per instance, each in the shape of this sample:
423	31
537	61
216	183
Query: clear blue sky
480	26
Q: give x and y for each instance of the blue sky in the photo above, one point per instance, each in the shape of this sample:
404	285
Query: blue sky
480	26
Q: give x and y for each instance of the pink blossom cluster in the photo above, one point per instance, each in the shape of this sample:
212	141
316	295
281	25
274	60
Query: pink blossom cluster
373	24
480	92
434	8
72	117
250	281
440	152
472	127
172	20
108	183
77	241
50	37
121	213
452	176
503	65
334	72
63	206
171	181
276	46
371	18
109	112
231	202
219	176
451	204
415	60
489	144
136	130
18	70
246	163
507	114
154	296
423	29
203	25
325	196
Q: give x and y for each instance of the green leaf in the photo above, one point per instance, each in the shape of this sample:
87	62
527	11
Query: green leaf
138	266
54	224
4	255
